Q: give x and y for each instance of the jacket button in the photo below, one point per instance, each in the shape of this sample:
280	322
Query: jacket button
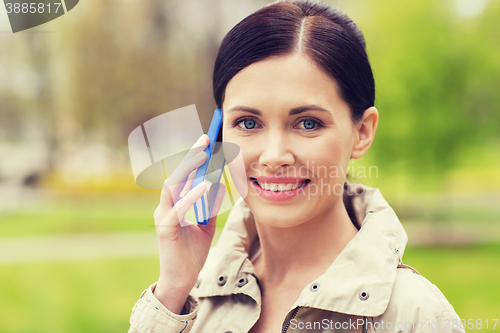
242	281
364	295
222	280
314	287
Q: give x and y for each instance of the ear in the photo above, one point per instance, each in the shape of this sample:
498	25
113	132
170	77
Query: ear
365	132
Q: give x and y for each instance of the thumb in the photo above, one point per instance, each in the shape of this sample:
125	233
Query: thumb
183	205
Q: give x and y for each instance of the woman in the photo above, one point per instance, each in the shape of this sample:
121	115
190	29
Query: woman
304	251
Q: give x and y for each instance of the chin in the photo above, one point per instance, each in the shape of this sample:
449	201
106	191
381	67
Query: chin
277	216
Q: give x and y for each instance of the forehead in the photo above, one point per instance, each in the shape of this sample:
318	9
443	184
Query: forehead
282	83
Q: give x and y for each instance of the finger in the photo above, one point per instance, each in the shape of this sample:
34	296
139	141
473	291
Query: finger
166	195
179	177
199	145
177	181
189	184
170	186
183	205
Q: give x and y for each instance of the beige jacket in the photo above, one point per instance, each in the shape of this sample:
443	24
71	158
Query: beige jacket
366	289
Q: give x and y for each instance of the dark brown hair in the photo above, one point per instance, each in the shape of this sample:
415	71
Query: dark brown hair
324	34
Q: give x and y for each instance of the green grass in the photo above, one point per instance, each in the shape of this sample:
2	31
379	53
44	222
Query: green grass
84	296
79	212
97	296
468	276
73	212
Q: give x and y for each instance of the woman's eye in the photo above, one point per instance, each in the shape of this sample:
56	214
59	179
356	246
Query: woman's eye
247	124
308	124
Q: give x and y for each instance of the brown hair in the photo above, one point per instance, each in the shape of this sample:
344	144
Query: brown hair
326	35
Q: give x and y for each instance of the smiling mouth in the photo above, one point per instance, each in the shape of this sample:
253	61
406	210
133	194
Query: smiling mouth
280	187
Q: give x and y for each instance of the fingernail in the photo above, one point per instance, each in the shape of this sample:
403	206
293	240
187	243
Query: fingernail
202	139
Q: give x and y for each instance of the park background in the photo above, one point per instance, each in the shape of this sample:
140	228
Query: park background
77	242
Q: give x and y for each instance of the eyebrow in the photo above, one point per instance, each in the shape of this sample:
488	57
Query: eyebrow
292	112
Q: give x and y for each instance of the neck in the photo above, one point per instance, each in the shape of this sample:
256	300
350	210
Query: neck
304	251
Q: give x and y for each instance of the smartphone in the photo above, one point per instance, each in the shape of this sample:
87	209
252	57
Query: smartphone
203	206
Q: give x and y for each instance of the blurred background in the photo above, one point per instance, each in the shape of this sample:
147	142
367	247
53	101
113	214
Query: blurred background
77	242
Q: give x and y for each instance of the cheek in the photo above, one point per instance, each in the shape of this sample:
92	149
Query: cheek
250	156
327	158
246	147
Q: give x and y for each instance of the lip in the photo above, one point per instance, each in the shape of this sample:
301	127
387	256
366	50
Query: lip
278	195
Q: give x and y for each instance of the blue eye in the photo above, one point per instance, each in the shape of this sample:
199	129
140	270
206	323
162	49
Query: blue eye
308	124
248	123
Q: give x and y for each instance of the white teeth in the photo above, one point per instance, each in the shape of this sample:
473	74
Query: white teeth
279	187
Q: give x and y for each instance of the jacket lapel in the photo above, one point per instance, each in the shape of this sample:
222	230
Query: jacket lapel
359	281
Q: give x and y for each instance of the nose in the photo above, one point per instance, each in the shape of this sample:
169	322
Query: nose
276	152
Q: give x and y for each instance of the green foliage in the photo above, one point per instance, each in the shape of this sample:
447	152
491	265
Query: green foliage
437	77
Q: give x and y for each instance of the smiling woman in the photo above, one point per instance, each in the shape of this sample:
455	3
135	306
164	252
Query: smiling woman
285	113
305	250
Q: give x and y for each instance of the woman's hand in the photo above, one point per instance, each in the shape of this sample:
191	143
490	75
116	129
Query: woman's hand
183	245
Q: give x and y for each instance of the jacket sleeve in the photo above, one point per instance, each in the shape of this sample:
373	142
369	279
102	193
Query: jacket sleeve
149	315
420	306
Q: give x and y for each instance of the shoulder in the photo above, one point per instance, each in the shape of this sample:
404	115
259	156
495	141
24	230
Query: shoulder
418	305
412	289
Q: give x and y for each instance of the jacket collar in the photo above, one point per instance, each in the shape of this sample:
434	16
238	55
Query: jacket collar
358	282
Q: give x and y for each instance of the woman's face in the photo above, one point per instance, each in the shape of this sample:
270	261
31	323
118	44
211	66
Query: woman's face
296	137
